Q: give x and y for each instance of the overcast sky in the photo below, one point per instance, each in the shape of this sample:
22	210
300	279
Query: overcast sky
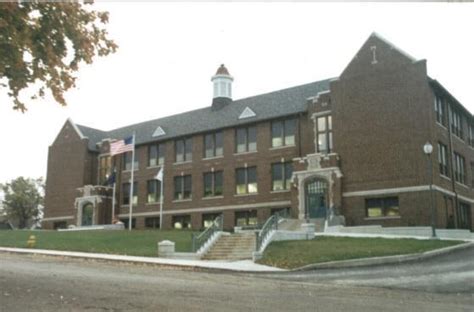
168	53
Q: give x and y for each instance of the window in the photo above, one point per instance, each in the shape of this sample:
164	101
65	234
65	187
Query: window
105	168
472	174
442	159
125	222
456	123
281	176
283	132
281	212
440	110
156	155
126	194
459	168
213	145
246	218
182	187
213	184
153	191
471	135
246	180
181	222
60	225
246	139
464	216
184	150
208	219
127	161
152	223
382	207
324	134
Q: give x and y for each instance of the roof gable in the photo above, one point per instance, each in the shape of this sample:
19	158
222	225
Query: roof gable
247	113
158	132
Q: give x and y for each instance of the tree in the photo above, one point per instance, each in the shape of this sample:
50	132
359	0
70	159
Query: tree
42	44
23	200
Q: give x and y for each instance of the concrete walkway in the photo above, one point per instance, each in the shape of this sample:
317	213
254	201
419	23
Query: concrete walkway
237	266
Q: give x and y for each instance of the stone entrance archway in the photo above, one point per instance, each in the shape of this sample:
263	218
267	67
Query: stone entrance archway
93	206
319	186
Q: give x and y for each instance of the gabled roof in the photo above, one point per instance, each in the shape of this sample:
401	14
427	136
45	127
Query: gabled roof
266	106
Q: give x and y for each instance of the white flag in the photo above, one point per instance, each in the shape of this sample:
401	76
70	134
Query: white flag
159	175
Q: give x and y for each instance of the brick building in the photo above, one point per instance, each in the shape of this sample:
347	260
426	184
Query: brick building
348	148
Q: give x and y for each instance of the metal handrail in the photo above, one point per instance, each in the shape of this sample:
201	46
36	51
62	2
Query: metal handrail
270	224
201	239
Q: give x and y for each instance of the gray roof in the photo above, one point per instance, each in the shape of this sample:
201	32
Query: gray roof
266	106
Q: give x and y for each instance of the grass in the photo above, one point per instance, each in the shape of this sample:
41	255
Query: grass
134	243
294	254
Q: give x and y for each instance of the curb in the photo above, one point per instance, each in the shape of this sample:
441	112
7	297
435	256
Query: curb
382	260
161	262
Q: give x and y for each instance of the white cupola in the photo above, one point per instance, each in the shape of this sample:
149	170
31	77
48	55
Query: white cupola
222	83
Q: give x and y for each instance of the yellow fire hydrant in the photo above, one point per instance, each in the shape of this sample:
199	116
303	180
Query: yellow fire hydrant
31	242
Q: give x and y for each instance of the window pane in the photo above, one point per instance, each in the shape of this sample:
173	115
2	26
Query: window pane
277	133
161	154
240	181
208	184
252	179
252	138
209	145
329	122
218	183
330	141
187	186
322	142
277	177
241	140
374	212
290	130
188	149
179	151
219	144
177	188
322	124
152	155
288	174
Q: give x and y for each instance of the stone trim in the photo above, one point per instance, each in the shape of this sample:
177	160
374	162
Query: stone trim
211	209
58	218
408	189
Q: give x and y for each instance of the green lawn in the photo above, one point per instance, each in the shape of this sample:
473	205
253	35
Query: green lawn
134	243
295	254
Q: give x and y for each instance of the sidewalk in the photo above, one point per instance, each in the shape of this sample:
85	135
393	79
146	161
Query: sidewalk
236	266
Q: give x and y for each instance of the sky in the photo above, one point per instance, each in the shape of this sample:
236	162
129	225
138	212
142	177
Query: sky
169	51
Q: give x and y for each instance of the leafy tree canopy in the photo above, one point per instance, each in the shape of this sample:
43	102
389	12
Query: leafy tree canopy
23	200
42	44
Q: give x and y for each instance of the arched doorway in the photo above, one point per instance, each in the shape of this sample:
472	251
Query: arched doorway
87	214
316	198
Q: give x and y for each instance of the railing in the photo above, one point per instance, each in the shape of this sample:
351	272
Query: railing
262	235
201	239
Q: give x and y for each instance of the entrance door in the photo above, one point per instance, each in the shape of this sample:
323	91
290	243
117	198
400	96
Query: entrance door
316	194
87	213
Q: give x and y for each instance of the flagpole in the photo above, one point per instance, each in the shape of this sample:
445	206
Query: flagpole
131	185
161	195
113	204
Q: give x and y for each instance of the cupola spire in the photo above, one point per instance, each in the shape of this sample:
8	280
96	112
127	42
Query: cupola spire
222	84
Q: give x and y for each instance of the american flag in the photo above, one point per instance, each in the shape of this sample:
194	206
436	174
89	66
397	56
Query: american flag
121	146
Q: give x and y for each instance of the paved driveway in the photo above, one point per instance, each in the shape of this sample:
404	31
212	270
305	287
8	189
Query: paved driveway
39	283
451	274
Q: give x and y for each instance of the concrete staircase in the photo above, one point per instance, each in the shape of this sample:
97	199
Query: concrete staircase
230	247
